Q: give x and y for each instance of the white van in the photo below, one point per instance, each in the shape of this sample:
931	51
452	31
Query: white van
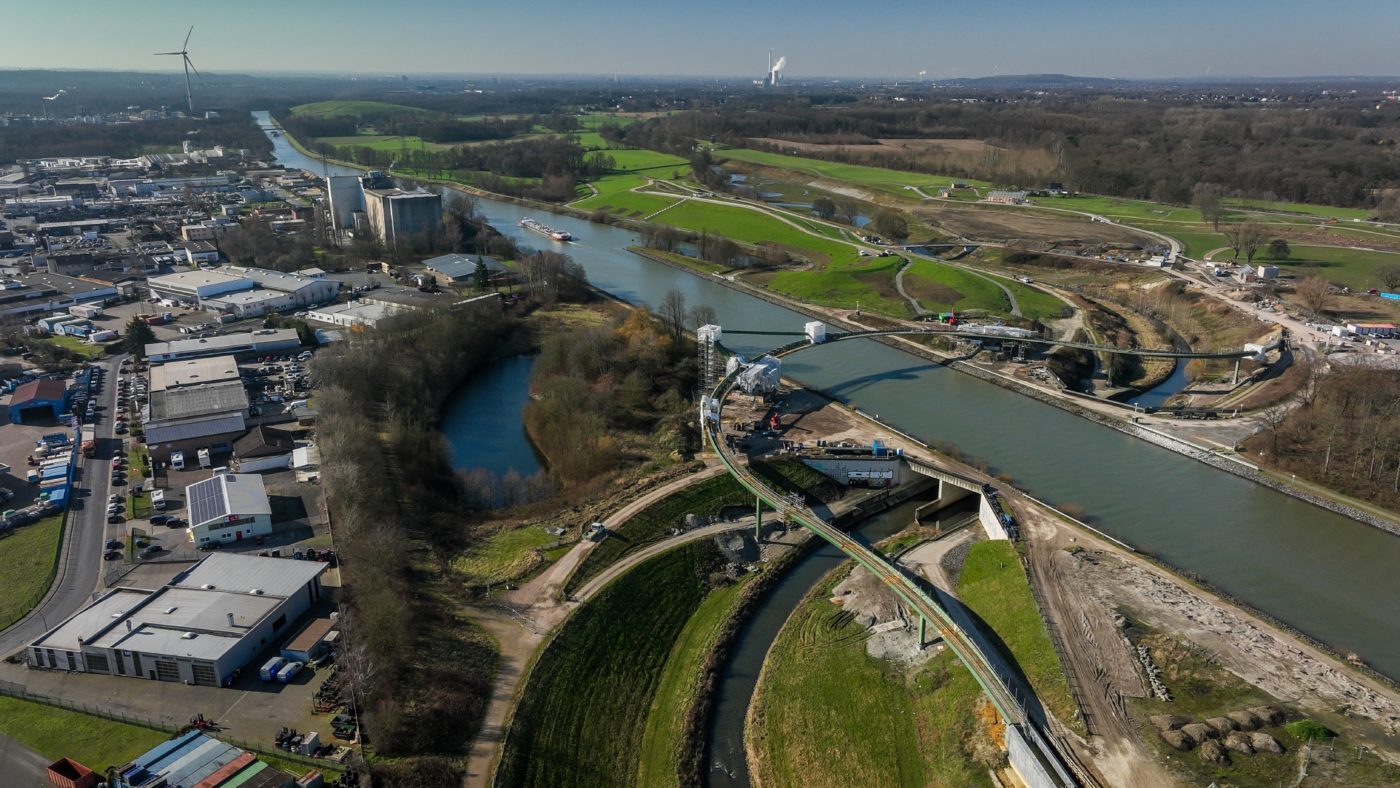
158	500
177	460
269	671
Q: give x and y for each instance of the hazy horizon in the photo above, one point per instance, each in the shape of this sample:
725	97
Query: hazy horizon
1185	39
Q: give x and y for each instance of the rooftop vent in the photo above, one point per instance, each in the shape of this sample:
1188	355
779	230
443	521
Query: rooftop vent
257	592
208	586
188	636
170	610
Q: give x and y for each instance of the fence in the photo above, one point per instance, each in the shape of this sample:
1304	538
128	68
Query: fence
17	691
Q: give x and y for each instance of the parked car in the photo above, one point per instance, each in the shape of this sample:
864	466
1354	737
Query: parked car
113	555
114	544
207	546
150	550
158	519
116	518
176	522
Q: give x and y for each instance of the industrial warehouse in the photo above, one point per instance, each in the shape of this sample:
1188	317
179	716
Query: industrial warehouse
200	628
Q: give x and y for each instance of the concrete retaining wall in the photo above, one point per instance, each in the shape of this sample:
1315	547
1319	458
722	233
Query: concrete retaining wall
1027	765
991	524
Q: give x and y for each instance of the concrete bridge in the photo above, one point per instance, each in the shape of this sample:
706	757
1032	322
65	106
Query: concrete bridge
1035	759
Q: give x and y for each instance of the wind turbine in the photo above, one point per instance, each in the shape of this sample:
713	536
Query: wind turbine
48	99
184	54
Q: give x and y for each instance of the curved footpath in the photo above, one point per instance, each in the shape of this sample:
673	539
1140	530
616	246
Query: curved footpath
522	619
80	556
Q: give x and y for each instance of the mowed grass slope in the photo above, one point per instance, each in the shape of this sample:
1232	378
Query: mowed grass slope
867	284
995	586
656	521
92	741
27	559
940	288
504	555
829	715
584	710
676	691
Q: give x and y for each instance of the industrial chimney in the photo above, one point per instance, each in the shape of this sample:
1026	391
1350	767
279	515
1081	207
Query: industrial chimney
230	620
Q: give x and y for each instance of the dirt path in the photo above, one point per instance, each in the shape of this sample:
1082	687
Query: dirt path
927	558
1083	593
1099	661
592	587
522	619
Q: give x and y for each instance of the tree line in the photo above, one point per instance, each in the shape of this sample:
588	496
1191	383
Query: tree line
1158	150
127	140
422	680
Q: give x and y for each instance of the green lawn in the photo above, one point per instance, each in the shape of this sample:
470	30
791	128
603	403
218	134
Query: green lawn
880	178
503	556
629	159
92	741
828	714
1323	211
1351	267
995	586
940	288
27	558
80	346
355	109
615	195
1035	304
655	522
676	690
583	714
867	284
755	227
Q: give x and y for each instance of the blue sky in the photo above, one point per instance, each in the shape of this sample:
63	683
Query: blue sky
894	38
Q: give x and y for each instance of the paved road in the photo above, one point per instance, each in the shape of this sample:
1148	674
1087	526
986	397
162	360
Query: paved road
20	765
80	563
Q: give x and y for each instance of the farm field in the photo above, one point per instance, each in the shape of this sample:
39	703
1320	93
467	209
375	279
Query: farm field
887	180
823	700
631	159
383	142
676	691
583	714
28	560
994	585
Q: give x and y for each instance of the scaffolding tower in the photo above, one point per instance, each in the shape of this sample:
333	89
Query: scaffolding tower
709	366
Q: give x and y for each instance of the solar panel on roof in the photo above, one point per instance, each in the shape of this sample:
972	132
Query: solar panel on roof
206	501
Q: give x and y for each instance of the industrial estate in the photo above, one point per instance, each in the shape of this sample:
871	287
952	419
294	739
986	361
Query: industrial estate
777	430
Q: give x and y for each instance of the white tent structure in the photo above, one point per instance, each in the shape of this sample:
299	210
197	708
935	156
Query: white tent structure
761	376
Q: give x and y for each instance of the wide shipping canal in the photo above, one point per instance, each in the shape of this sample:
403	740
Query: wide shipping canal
1325	574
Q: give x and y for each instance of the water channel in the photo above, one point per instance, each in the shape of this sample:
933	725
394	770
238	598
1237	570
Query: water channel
1325	574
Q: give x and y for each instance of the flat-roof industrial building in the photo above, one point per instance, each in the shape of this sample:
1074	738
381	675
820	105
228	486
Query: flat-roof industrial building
200	628
194	372
267	340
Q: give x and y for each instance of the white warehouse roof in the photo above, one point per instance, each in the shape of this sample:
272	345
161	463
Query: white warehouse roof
226	495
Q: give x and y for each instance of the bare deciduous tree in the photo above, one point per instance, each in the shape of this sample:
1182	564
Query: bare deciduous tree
1206	198
1389	276
1314	293
672	312
1245	238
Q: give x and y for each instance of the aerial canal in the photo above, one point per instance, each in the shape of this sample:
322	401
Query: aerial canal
1326	575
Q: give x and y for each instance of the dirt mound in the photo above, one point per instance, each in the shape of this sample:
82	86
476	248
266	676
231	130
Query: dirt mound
1199	732
1222	725
1213	752
1168	722
1177	740
865	597
1269	715
1246	720
1239	742
1263	742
